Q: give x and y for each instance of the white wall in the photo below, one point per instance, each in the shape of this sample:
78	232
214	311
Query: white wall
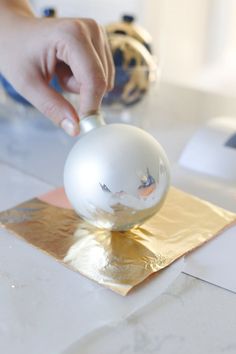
103	11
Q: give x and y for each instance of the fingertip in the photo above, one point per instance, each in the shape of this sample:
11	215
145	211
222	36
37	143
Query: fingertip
70	126
110	86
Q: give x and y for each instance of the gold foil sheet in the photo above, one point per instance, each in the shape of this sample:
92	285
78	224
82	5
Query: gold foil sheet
118	260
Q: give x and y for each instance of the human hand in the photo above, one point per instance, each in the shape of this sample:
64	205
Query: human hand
76	50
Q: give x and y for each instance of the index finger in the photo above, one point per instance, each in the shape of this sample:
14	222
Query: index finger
88	72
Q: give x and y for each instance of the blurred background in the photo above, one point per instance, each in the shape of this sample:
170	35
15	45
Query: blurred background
194	40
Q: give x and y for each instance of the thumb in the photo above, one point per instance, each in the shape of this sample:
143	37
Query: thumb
52	105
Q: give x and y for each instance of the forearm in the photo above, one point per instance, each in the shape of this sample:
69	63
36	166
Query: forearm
10	11
8	7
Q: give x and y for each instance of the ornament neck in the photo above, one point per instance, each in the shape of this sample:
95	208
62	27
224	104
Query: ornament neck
91	122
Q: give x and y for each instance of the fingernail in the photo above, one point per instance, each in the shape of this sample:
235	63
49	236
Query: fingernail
70	127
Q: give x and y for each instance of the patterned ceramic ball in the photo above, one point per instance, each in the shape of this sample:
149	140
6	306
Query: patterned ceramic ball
128	27
134	70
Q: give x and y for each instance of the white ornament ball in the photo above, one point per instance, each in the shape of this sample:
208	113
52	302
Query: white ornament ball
116	176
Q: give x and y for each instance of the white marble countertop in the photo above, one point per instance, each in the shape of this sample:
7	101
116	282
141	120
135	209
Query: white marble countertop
41	304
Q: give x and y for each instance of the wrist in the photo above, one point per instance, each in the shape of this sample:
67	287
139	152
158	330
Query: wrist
11	10
15	7
11	13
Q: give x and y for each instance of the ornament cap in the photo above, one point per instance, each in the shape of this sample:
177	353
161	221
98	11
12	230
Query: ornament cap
90	122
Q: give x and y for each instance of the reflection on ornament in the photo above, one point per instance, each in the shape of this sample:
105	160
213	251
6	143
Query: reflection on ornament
105	188
148	185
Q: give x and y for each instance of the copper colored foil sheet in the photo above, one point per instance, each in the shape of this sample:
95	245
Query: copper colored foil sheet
117	260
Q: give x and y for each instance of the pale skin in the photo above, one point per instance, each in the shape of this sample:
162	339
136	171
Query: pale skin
34	49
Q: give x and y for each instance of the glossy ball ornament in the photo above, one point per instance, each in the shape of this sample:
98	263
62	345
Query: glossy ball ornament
128	27
116	176
135	67
134	71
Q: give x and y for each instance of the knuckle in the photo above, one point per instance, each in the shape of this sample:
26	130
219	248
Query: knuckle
49	109
72	27
100	83
93	25
97	85
110	86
